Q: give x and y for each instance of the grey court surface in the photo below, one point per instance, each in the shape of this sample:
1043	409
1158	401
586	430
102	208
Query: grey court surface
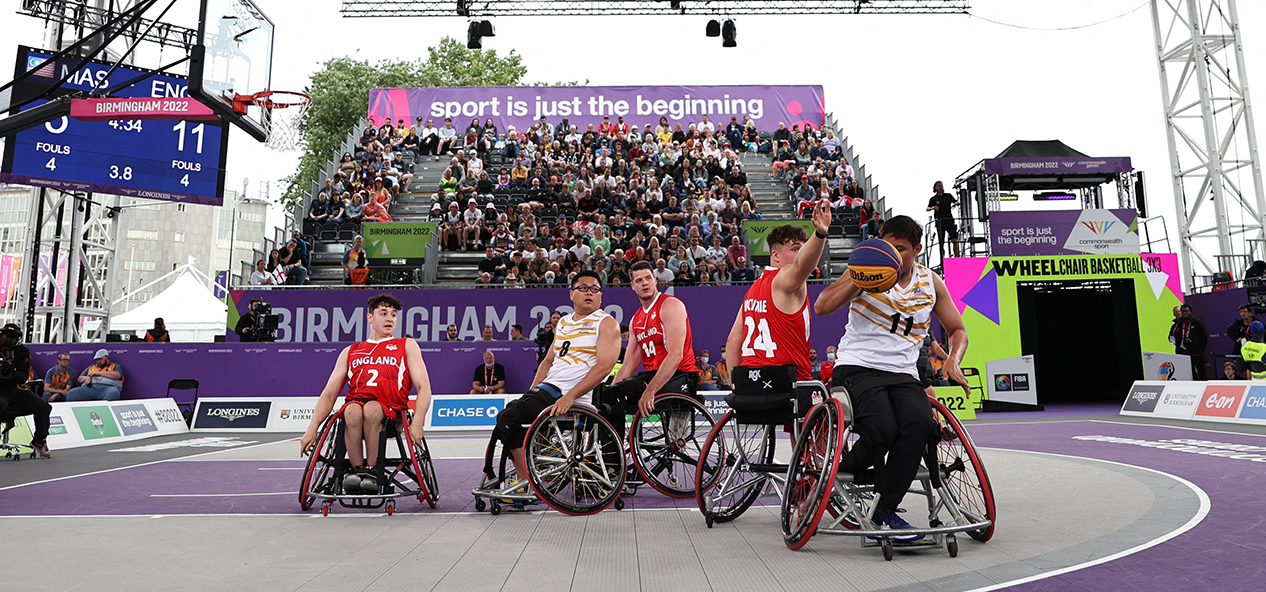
186	513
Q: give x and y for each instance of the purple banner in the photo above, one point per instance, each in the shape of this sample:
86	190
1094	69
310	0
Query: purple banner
276	369
1063	232
1057	165
521	106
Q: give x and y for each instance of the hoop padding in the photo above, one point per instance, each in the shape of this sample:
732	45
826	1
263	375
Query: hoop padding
284	111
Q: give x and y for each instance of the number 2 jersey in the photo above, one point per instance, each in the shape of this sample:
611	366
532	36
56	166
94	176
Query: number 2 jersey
886	330
772	337
376	371
575	350
648	333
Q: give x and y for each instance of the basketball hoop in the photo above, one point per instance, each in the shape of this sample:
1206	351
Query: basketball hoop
284	110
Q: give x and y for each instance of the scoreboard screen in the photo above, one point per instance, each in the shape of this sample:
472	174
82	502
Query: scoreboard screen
171	160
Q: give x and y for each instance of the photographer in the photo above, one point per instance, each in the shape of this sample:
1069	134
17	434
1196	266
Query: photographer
245	328
15	400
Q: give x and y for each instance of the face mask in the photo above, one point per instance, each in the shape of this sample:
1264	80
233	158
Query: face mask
549	280
703	359
830	355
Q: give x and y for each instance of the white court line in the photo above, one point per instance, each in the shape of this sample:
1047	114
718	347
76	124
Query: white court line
144	464
222	494
1201	514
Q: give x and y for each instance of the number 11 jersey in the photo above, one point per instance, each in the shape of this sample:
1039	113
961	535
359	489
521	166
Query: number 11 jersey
886	330
772	337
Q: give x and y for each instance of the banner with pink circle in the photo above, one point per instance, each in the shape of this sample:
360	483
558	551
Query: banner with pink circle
522	106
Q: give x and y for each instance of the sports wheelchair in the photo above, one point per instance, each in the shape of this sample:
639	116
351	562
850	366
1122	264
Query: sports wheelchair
15	450
952	480
738	457
577	462
410	474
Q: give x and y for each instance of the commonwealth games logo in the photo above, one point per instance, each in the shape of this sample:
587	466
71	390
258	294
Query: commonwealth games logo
1167	371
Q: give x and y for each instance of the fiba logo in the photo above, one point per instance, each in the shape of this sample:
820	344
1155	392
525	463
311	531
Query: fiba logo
1002	382
1166	371
96	422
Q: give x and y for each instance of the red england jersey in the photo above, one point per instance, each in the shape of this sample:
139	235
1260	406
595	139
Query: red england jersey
772	337
377	370
648	332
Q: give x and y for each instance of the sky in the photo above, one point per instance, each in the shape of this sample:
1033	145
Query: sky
920	97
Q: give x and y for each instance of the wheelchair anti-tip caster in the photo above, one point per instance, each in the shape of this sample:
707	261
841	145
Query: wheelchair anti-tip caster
391	508
886	545
951	544
707	519
325	508
619	503
496	509
480	505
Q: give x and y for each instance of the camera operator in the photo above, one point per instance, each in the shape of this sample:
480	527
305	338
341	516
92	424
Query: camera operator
15	400
245	328
252	326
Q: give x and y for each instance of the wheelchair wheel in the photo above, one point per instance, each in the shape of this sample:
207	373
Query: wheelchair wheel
728	458
963	474
811	479
575	462
321	462
666	446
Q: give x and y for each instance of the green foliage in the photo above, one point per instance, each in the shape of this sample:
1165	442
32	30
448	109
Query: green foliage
340	96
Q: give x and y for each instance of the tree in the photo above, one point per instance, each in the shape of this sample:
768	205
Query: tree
340	96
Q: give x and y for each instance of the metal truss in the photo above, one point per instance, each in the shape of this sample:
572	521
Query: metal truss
465	8
90	14
1216	173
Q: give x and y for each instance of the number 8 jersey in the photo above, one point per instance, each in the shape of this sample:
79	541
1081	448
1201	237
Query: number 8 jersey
772	337
885	330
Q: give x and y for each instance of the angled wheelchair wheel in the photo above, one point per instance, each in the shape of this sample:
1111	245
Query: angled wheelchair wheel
811	480
575	461
963	473
318	474
727	456
423	471
666	445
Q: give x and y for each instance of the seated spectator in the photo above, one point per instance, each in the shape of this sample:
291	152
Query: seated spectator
158	333
490	377
261	276
486	280
737	254
492	266
741	273
374	212
293	263
516	332
485	334
380	194
356	263
805	196
57	380
355	208
100	382
681	261
663	275
451	334
319	209
512	279
708	377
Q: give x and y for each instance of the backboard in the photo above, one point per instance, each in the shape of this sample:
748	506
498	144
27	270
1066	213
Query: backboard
233	57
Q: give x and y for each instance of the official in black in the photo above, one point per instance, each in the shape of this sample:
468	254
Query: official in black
15	399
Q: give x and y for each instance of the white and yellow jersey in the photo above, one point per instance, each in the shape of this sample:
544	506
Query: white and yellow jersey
575	351
886	330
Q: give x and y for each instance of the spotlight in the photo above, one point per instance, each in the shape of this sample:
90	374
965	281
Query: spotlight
714	28
473	36
728	33
486	30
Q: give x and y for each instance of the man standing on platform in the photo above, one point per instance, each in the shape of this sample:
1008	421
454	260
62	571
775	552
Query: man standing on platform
1190	338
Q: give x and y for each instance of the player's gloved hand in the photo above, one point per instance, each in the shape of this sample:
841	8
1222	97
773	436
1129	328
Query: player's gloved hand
306	442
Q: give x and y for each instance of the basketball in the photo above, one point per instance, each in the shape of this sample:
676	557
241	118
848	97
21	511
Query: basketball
874	265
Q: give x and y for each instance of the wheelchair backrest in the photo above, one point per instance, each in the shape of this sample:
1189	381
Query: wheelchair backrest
768	380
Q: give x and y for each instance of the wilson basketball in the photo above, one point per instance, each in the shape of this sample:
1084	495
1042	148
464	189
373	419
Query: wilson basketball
874	265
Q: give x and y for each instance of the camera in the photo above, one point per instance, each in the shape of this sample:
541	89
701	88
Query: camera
8	373
265	327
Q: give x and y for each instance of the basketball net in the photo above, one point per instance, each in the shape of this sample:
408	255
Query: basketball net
285	110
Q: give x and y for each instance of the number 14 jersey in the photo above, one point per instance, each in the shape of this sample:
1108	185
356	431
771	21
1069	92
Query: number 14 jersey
772	337
648	333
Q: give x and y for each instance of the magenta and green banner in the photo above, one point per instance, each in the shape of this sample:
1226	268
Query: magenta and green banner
1066	232
521	106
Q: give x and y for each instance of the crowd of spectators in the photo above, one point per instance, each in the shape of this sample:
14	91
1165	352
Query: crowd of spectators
556	199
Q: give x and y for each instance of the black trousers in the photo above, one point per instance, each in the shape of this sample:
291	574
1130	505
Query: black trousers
15	402
430	145
521	412
624	395
893	419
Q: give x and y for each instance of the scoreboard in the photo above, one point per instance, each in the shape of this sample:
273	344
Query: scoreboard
172	160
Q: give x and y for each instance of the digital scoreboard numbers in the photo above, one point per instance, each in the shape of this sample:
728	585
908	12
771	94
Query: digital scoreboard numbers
172	160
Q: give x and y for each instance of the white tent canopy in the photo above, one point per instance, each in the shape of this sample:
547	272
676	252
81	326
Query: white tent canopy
188	308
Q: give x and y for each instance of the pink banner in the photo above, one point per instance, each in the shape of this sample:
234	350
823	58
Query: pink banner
15	275
6	276
139	108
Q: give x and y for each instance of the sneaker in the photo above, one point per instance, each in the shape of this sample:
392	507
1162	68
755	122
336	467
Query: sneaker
42	450
351	482
891	520
520	488
368	483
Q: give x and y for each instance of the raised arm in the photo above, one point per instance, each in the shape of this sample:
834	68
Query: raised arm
325	403
790	280
835	296
421	382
